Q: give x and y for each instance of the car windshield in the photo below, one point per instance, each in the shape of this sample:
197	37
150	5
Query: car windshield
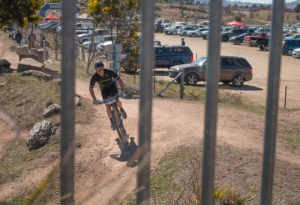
199	61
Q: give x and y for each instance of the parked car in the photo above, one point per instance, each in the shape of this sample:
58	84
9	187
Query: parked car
172	29
237	40
293	36
225	36
196	33
98	40
101	46
167	56
296	53
187	29
236	70
288	45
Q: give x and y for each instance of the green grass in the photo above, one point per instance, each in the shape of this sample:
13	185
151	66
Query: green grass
290	134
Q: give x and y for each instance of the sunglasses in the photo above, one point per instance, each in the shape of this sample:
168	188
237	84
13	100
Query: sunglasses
99	69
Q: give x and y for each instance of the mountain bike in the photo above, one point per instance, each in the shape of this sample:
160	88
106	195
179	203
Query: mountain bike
117	118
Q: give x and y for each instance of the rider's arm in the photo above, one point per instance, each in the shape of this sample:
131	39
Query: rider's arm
120	81
91	88
92	93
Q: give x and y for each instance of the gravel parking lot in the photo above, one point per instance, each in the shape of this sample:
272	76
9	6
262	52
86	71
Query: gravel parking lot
254	90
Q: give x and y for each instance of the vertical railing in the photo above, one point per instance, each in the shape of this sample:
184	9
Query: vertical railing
145	107
211	102
67	102
272	102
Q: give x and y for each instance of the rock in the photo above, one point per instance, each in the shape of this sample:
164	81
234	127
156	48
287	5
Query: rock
34	53
2	84
77	100
51	110
40	134
5	66
38	74
23	67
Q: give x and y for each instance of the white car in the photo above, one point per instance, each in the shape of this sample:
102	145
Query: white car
296	52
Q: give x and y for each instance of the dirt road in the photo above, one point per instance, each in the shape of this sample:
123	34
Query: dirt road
101	177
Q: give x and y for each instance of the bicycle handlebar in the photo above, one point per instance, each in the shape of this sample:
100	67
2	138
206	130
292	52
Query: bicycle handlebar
109	100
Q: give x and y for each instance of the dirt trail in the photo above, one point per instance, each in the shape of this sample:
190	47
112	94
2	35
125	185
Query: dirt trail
174	124
101	177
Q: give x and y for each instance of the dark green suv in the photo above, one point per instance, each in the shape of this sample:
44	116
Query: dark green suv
236	70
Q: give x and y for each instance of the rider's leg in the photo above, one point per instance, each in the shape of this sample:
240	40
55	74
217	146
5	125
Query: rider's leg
109	113
119	104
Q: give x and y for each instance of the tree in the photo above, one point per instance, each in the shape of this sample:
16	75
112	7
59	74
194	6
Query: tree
20	11
238	18
297	8
120	17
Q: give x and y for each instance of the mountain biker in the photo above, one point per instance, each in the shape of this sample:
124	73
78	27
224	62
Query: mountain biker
107	82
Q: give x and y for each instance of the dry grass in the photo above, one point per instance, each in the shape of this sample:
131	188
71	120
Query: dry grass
25	98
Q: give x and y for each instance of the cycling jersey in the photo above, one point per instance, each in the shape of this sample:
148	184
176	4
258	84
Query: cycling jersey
107	83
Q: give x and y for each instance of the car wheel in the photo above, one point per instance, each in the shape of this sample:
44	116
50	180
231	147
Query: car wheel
261	47
238	80
225	82
176	63
290	52
191	79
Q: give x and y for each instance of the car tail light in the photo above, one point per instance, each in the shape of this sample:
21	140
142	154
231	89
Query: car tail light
285	44
192	58
250	69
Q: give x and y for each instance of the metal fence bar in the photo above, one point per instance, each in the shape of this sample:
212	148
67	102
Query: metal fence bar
145	107
211	102
67	103
272	103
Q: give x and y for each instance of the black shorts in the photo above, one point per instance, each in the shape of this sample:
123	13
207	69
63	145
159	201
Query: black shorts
109	92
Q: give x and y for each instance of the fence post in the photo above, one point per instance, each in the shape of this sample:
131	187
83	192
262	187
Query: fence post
272	103
182	84
44	52
67	103
211	102
145	104
285	95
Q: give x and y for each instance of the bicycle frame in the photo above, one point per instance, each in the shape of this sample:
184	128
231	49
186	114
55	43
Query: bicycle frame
117	118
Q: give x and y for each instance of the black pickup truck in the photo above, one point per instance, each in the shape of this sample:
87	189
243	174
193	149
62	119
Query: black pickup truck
168	56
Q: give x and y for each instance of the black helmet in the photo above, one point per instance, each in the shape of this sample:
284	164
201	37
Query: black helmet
98	64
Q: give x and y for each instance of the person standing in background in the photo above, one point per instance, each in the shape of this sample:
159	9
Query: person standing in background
182	42
18	38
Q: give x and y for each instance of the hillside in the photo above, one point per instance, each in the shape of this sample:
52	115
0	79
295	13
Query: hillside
196	13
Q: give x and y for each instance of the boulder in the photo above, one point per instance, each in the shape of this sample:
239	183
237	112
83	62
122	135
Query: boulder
5	66
51	110
23	67
38	74
40	134
2	84
34	53
77	100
